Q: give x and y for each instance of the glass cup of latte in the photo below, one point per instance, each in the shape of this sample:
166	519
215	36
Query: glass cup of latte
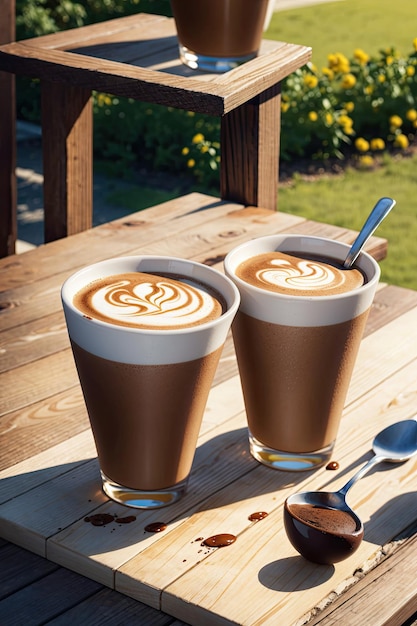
297	335
219	35
147	333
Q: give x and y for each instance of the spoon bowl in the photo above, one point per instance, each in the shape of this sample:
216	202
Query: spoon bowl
322	529
320	525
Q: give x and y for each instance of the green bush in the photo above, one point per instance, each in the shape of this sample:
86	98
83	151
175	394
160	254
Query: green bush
128	132
361	105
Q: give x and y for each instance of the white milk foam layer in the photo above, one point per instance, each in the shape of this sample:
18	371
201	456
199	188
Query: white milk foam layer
302	310
155	304
301	276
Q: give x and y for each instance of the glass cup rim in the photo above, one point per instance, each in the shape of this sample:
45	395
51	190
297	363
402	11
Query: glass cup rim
232	299
279	237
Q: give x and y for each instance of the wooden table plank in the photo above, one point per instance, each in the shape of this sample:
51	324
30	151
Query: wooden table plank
21	569
44	600
110	239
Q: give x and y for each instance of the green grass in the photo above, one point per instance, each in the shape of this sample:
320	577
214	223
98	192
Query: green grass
348	24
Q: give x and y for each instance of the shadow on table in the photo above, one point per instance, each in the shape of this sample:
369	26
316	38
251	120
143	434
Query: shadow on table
280	575
155	53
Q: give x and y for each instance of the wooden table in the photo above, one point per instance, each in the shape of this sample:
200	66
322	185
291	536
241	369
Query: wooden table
56	567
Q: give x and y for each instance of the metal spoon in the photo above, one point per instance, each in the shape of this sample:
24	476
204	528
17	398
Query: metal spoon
380	210
320	525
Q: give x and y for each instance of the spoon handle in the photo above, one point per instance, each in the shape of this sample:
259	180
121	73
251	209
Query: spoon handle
360	473
380	210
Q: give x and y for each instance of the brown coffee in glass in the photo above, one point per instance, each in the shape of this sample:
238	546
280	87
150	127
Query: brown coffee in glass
297	335
147	334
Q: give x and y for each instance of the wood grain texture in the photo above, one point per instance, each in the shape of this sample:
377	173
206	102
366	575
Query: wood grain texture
380	597
49	474
137	57
250	138
8	206
67	142
24	570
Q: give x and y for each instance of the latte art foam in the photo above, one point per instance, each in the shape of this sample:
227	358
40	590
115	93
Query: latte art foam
295	275
144	300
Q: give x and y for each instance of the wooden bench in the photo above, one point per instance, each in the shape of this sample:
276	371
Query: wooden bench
137	57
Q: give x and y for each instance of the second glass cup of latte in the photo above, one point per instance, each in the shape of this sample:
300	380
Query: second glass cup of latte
147	334
297	335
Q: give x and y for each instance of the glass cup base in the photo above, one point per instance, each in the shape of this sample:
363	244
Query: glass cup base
289	461
141	499
219	65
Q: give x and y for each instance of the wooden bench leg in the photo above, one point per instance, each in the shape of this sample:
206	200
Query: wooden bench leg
8	212
250	137
67	144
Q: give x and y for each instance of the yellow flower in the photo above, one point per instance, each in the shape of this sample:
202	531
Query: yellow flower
368	90
326	71
381	78
204	149
103	99
338	63
285	106
312	116
401	141
190	163
361	145
389	60
361	56
411	115
198	138
415	43
366	161
347	123
329	118
348	81
345	120
411	70
377	144
349	106
185	150
395	121
310	81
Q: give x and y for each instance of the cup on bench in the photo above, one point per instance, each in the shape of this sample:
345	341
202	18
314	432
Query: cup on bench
219	35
